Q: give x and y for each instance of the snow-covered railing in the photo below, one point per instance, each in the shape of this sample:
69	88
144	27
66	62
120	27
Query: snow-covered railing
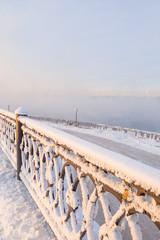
8	135
135	132
83	190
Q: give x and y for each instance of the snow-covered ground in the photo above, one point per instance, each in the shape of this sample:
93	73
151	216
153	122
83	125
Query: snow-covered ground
148	145
20	219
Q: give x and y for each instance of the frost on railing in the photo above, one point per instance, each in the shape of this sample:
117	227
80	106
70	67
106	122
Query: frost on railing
8	135
80	199
83	190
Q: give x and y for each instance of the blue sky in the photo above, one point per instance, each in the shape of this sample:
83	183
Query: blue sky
80	47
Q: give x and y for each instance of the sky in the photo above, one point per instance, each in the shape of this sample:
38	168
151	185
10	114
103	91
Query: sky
61	53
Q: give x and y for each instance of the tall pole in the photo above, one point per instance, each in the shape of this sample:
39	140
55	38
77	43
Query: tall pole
76	113
76	116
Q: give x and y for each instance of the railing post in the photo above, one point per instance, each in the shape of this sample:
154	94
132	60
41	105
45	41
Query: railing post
19	112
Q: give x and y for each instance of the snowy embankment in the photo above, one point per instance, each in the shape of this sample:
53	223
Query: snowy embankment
148	145
20	219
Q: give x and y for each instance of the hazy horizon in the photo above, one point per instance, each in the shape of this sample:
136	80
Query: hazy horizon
130	111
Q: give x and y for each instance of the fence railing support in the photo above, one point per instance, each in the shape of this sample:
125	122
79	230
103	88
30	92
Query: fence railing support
19	112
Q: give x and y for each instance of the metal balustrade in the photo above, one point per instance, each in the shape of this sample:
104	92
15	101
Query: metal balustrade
8	135
83	190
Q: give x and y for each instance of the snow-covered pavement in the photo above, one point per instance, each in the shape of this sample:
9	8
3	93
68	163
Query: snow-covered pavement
124	149
20	219
144	150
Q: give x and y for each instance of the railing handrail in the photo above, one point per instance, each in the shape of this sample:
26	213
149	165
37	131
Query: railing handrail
94	125
8	114
124	167
129	169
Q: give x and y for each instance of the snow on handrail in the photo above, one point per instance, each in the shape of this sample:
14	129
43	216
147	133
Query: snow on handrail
8	114
8	135
124	167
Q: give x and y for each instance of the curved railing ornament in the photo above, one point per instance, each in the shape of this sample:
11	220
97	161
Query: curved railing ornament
84	191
